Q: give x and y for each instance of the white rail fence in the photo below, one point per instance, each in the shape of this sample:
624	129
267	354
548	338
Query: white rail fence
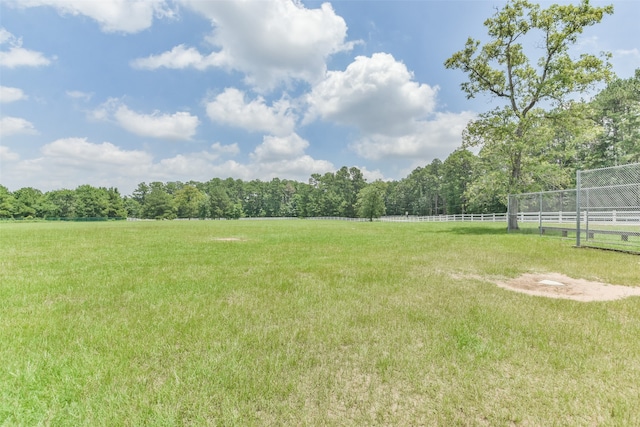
606	217
494	217
560	217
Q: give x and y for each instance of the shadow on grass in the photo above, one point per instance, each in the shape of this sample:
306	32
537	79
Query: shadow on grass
528	230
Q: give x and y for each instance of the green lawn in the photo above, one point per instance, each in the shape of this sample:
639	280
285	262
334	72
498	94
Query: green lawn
307	323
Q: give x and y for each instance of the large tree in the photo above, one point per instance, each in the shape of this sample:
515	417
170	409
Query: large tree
422	190
158	204
527	87
28	203
347	184
189	202
91	202
220	205
63	203
116	208
458	173
370	201
7	203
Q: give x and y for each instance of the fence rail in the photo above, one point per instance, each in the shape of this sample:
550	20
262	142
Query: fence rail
606	217
560	217
493	217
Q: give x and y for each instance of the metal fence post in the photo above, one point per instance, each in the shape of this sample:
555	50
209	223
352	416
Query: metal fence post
540	215
578	190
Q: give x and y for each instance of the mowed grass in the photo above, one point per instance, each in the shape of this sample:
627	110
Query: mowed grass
307	323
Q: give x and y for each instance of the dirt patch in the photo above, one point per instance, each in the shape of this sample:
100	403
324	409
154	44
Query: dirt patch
555	285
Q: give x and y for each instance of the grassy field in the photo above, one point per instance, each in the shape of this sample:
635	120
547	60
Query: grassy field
307	323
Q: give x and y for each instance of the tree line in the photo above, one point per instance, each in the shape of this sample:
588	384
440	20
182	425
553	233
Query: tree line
435	189
341	193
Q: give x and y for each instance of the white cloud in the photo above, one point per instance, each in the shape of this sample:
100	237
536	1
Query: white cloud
15	125
180	126
230	149
79	152
375	94
6	155
105	111
177	126
112	15
17	56
395	115
275	148
76	94
285	158
6	36
227	169
628	52
298	168
424	141
70	162
372	175
270	41
182	165
177	58
275	157
11	94
231	108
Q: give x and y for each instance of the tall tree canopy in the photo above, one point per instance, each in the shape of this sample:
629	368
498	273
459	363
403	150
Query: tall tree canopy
617	110
370	201
506	68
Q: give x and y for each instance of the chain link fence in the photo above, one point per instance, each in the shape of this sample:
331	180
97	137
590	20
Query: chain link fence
603	211
609	206
548	212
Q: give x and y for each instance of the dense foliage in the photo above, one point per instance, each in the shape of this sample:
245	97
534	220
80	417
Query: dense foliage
581	135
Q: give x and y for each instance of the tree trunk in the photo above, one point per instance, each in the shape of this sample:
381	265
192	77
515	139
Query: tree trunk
513	215
516	169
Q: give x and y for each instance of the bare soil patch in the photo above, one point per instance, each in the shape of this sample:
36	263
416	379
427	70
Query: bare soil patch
556	285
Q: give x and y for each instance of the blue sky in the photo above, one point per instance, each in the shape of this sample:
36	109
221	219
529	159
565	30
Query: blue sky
117	92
